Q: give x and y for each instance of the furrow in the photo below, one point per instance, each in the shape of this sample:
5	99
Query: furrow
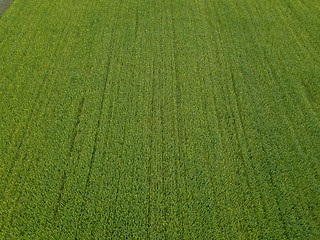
68	156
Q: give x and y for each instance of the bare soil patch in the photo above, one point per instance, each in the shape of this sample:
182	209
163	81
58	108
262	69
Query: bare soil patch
3	5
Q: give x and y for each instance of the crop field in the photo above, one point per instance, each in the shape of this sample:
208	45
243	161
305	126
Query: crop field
167	119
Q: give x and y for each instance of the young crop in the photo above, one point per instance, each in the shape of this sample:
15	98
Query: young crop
169	119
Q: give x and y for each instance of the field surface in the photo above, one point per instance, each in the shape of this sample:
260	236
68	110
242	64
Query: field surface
3	5
144	119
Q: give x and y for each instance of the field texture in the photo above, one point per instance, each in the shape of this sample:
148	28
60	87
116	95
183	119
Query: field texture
144	119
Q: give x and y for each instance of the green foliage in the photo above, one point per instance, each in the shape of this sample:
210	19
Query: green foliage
160	119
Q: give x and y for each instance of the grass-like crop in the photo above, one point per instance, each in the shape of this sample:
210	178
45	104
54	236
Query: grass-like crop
169	119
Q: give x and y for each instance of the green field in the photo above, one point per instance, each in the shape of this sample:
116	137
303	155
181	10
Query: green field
168	119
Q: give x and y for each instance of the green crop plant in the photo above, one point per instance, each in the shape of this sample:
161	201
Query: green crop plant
169	119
